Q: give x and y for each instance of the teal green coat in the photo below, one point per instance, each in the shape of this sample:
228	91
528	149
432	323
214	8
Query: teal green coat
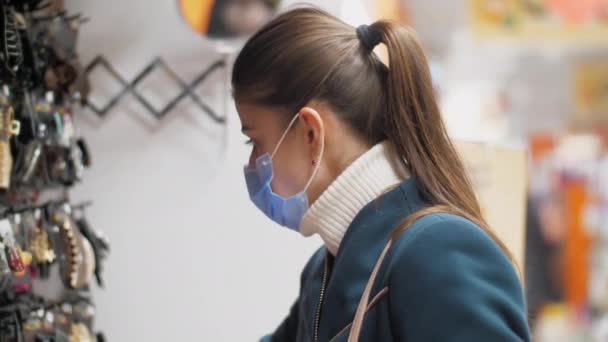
444	279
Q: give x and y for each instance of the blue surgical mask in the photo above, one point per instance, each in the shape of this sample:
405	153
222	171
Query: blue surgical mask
287	212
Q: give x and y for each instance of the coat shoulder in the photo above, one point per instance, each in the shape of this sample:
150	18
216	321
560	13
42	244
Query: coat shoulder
453	269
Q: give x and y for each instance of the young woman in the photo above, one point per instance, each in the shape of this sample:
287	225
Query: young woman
355	151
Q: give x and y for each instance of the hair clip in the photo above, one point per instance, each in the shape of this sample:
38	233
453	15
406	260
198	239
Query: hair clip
8	128
14	257
80	260
5	269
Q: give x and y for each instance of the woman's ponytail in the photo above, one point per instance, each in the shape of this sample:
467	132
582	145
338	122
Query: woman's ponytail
415	127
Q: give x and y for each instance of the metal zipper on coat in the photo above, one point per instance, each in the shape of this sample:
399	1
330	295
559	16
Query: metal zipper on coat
320	304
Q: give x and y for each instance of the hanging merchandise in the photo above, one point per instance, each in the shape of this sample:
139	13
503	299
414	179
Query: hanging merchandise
42	156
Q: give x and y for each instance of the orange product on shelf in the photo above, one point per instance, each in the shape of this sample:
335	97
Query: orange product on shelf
577	244
197	13
541	145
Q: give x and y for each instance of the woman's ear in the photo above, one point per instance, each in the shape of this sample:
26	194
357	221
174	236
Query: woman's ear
313	123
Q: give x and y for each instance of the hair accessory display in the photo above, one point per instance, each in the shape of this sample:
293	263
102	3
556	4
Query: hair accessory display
42	155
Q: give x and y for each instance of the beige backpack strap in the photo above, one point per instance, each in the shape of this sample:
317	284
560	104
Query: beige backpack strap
363	303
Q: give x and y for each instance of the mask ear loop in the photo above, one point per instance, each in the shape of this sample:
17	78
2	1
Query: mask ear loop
318	165
284	135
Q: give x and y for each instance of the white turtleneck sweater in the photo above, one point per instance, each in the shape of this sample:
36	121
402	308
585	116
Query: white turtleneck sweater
373	173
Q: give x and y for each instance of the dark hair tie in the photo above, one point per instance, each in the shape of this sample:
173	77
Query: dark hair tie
368	36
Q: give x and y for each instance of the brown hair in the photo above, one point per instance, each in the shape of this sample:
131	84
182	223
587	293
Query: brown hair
307	54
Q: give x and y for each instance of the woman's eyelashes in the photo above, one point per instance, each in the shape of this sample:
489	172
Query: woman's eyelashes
249	142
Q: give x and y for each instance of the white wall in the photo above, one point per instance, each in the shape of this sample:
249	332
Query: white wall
192	259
